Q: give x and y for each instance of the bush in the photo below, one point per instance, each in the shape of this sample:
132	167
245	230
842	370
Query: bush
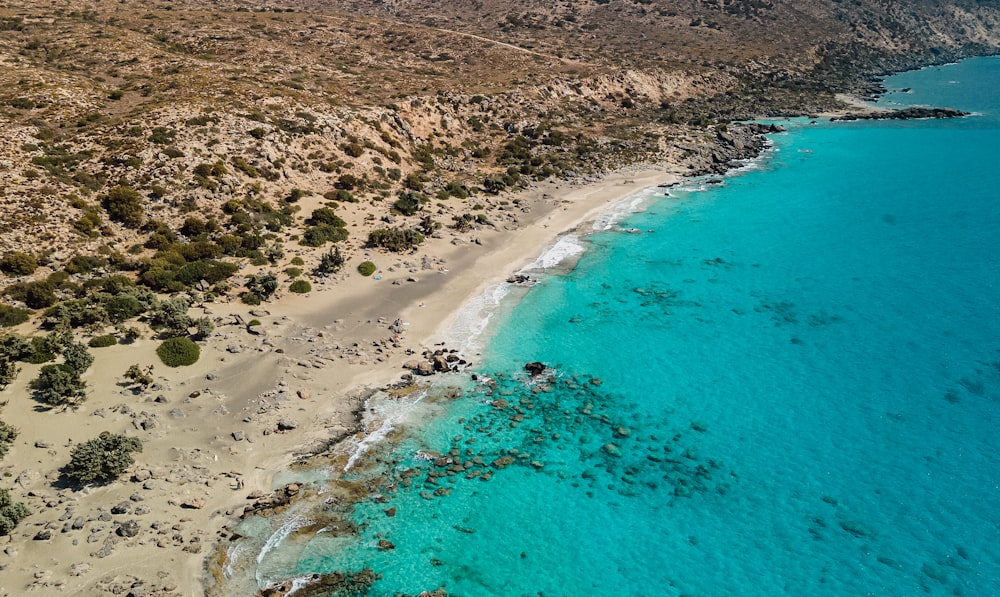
408	203
330	262
7	436
300	287
103	341
398	240
366	268
8	371
102	459
317	236
78	357
325	215
37	295
293	272
178	352
59	385
11	316
10	513
139	376
18	264
124	205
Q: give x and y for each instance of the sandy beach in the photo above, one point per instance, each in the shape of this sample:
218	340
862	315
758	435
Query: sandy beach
216	432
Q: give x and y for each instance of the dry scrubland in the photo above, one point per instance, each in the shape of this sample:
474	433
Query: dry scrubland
217	173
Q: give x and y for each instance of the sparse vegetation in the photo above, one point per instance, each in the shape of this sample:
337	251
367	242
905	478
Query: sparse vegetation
103	341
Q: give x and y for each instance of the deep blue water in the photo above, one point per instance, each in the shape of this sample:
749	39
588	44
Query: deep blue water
797	389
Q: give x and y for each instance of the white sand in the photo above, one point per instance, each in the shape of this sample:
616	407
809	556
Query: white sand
326	346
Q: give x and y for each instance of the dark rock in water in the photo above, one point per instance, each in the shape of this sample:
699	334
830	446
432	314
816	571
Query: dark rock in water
384	545
535	368
911	113
855	528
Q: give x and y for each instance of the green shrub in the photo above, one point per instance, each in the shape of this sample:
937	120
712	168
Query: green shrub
18	264
7	436
330	262
398	240
325	215
139	376
317	236
408	203
124	205
102	459
253	323
10	513
297	261
8	371
11	316
293	272
103	341
300	287
59	385
178	352
366	268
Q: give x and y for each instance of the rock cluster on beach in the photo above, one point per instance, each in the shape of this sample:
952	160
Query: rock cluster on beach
532	420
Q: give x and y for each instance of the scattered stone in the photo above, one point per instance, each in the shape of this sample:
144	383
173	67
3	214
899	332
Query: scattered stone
286	424
239	436
42	444
129	528
43	535
193	503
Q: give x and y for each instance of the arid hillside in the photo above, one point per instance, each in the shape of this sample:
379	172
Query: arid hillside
156	135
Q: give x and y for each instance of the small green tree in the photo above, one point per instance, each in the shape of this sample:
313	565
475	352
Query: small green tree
8	371
102	459
11	513
330	262
139	376
124	205
171	317
78	357
7	436
59	385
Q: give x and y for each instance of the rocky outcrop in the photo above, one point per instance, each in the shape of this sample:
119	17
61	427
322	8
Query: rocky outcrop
912	113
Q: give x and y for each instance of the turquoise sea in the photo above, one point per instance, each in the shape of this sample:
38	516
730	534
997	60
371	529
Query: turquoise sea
787	384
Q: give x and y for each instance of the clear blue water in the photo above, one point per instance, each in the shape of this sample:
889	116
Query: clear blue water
798	389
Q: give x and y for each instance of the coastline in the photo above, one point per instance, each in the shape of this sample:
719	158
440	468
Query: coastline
217	432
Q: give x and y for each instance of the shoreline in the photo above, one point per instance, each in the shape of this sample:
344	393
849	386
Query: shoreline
219	431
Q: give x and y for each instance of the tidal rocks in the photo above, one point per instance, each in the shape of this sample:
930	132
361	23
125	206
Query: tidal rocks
911	113
535	368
